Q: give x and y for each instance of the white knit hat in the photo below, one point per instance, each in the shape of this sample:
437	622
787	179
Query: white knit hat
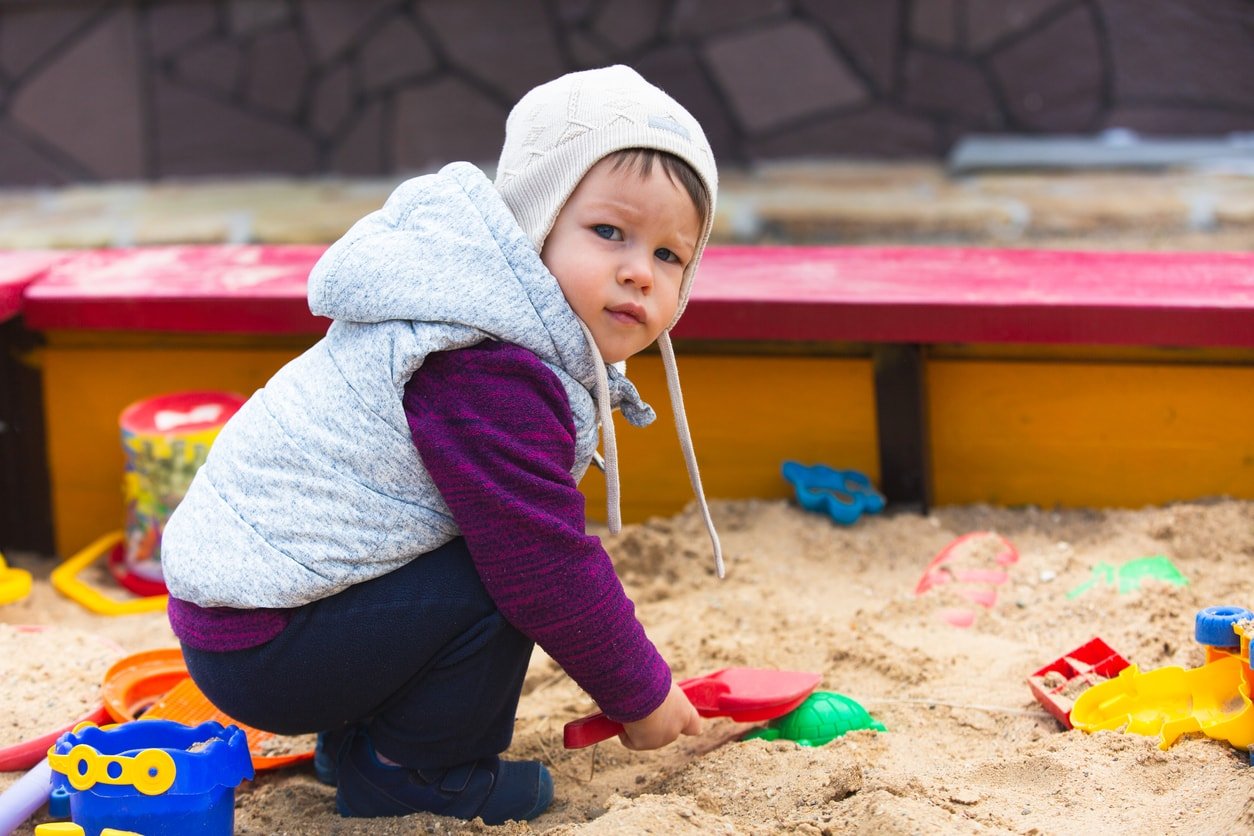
553	136
560	129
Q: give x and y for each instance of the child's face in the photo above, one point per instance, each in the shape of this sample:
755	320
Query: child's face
618	249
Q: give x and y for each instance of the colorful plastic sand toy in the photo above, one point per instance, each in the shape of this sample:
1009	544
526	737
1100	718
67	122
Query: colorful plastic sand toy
1219	630
1057	685
155	777
1169	702
844	495
974	564
65	579
1131	575
14	583
166	439
823	717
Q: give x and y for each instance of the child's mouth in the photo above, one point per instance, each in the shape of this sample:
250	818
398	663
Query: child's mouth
627	314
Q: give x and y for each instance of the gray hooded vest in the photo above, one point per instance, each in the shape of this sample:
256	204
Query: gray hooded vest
315	484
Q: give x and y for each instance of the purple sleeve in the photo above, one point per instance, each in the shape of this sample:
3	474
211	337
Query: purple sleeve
494	429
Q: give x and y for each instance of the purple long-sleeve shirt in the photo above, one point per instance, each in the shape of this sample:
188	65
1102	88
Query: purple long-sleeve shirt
495	432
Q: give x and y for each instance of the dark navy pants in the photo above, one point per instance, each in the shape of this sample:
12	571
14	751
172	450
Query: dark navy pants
421	657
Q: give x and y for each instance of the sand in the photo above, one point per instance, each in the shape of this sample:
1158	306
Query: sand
968	749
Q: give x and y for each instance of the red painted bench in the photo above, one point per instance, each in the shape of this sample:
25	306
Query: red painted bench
844	294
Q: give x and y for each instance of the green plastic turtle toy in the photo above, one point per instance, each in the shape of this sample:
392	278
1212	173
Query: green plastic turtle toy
823	717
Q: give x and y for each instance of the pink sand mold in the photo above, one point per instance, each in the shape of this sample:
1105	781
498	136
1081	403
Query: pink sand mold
977	584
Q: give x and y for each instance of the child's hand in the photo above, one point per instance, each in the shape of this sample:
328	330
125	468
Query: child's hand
675	716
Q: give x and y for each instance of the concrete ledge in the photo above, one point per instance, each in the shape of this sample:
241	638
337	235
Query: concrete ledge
794	202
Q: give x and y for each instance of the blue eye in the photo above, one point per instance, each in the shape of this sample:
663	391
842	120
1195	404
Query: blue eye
605	231
666	255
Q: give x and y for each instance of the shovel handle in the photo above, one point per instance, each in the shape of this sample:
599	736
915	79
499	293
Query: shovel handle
20	801
589	730
597	727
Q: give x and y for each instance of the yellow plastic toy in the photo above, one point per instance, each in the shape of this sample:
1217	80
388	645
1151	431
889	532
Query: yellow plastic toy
58	828
14	583
1169	702
65	578
68	828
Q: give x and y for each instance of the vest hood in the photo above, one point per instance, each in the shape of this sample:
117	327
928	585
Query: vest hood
444	248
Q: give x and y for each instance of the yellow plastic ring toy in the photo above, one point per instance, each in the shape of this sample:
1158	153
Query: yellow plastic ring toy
151	771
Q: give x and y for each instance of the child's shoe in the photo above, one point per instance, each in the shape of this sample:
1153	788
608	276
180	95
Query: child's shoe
493	789
327	753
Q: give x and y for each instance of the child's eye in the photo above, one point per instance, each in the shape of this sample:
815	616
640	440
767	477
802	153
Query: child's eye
666	255
609	233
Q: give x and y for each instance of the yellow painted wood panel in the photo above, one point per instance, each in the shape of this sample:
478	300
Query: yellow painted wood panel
748	414
1003	431
1079	434
86	387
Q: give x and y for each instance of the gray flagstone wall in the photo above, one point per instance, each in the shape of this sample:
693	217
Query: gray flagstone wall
96	90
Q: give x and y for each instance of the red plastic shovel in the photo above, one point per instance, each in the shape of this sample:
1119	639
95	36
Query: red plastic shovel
747	695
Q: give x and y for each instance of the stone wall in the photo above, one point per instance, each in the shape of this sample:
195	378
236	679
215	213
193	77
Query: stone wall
117	90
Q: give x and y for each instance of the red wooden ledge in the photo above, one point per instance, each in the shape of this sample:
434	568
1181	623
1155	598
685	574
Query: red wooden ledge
18	268
209	289
937	295
898	294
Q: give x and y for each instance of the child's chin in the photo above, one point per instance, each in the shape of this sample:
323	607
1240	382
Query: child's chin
618	356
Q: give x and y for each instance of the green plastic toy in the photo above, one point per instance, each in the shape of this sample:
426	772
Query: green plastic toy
1131	575
823	717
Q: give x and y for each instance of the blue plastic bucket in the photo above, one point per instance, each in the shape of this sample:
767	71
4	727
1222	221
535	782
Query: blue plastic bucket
155	777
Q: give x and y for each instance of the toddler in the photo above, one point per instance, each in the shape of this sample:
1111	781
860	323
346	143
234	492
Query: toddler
382	532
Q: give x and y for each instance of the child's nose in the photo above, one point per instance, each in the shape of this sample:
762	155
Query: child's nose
636	269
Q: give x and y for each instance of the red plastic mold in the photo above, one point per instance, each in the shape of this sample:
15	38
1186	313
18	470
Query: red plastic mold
1058	684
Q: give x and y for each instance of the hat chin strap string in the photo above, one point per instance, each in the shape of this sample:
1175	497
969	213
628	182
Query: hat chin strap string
685	443
613	512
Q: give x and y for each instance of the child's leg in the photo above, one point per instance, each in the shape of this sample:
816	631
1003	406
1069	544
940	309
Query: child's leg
420	657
